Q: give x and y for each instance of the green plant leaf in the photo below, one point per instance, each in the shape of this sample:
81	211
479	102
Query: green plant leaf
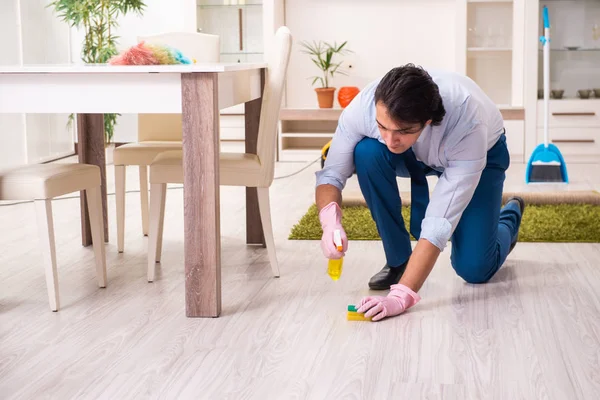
322	55
329	57
318	64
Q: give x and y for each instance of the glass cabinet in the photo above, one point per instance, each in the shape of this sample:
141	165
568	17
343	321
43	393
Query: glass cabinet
490	48
239	24
574	49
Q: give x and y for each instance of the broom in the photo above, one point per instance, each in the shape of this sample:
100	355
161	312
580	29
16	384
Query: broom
546	163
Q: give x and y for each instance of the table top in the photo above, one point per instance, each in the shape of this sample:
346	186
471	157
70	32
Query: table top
107	69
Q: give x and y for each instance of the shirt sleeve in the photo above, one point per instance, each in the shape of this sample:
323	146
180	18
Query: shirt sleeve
339	164
455	187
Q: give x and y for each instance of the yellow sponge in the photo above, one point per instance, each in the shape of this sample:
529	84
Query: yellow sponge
354	316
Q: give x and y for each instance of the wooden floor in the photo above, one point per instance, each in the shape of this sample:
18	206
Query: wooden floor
533	332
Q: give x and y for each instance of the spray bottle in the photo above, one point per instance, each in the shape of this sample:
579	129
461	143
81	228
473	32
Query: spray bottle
335	265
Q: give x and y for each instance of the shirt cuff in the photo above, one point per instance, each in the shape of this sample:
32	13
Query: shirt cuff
437	231
325	178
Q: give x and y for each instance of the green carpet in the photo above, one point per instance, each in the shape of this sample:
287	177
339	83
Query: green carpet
541	223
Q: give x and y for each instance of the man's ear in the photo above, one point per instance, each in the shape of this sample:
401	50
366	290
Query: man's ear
428	122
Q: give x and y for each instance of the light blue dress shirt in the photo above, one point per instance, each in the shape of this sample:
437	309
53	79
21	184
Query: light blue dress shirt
457	148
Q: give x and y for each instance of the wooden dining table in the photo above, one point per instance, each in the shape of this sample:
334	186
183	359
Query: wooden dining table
196	91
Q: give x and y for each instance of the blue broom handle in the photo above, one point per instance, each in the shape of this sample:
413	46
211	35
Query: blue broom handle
546	62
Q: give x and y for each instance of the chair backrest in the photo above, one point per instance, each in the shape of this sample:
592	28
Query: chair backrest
202	47
271	102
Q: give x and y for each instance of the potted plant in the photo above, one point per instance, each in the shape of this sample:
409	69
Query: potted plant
98	18
322	56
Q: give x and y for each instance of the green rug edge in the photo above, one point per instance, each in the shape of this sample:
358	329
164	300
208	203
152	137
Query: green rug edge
562	223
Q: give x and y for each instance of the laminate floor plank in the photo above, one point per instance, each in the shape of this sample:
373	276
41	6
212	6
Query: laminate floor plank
532	332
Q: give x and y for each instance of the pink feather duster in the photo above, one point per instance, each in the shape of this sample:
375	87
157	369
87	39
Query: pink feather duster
136	55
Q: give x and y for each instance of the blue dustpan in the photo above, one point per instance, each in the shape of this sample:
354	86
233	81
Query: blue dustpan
546	164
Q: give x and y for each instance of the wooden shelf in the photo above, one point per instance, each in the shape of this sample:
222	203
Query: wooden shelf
310	114
307	134
333	114
512	113
304	131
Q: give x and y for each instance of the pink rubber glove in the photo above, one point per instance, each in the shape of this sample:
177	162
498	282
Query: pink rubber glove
400	299
331	219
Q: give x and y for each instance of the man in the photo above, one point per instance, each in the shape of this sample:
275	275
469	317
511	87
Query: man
413	123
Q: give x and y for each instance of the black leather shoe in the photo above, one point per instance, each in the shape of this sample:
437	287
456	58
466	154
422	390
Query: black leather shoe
387	277
522	208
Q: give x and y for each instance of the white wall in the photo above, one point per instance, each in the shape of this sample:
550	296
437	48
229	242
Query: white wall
36	37
12	129
45	41
159	16
382	33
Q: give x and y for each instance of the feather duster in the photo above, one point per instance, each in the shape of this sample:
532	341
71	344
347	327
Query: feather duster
139	54
150	54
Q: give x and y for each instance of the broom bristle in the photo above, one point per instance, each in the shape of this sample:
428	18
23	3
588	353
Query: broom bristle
546	173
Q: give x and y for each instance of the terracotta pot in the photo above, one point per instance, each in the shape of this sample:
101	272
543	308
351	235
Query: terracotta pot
346	94
325	97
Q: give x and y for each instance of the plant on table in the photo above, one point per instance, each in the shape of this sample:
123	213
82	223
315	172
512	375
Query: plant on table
322	55
98	18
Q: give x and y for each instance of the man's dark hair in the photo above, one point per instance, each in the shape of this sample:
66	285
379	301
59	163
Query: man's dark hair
410	95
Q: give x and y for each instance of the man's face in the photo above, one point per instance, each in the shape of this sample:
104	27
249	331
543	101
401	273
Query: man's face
398	136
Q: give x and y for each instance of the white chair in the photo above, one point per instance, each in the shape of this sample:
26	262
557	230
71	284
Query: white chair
236	169
157	132
42	183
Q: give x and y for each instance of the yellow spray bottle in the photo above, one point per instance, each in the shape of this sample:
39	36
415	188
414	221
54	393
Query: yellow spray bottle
335	266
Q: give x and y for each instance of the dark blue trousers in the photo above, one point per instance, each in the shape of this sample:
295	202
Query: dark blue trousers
482	238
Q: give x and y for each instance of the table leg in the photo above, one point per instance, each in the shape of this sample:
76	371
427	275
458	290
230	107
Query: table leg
202	243
91	150
254	228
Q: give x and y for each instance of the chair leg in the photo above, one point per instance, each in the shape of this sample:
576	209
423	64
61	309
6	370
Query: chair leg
265	218
120	198
46	234
161	225
144	197
94	201
158	194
